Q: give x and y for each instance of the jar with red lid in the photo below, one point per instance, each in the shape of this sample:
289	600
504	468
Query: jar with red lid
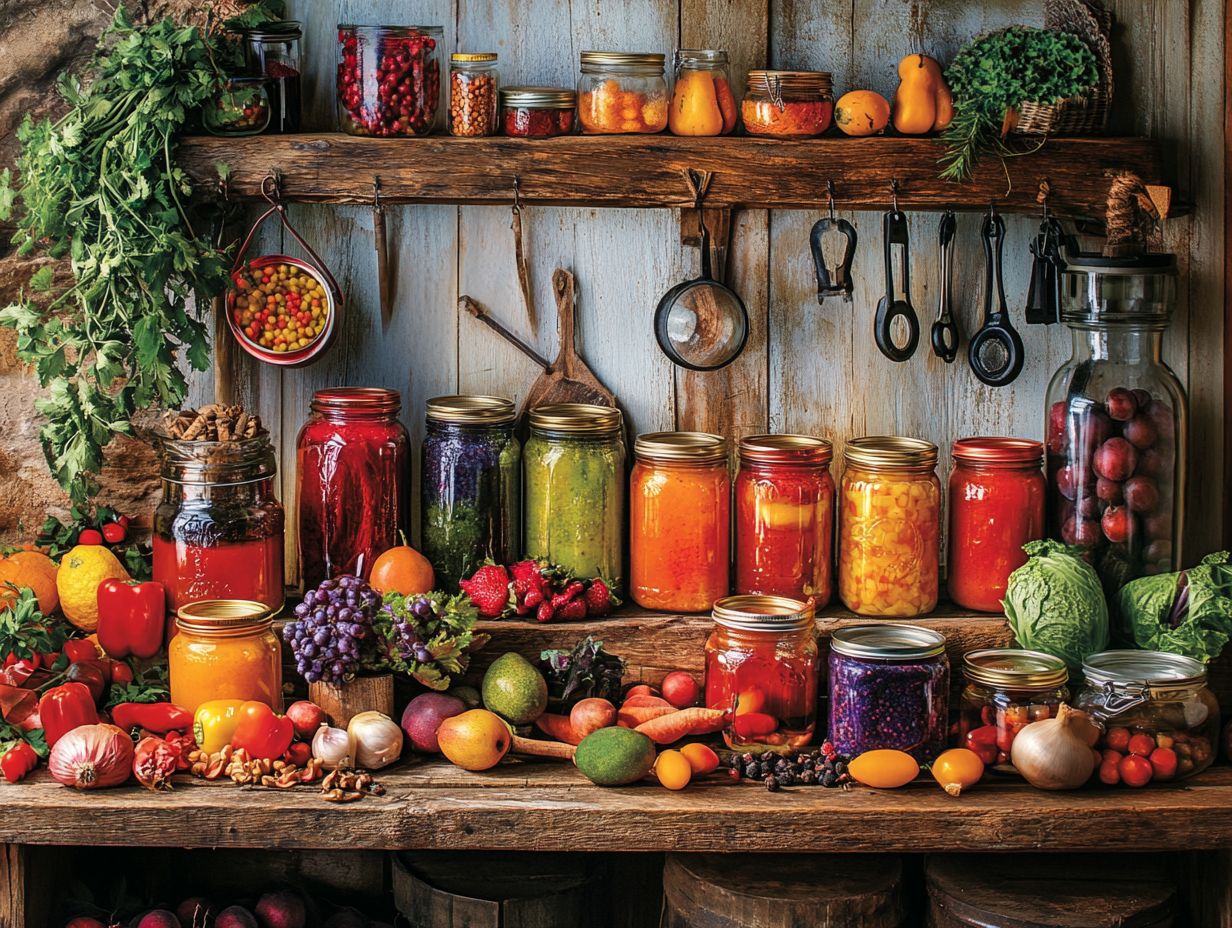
785	517
353	482
537	112
997	494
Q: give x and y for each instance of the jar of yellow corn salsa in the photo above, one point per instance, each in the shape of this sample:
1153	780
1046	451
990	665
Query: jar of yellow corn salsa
225	649
889	527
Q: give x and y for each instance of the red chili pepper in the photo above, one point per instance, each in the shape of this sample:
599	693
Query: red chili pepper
80	649
63	708
131	617
156	717
17	761
96	678
262	733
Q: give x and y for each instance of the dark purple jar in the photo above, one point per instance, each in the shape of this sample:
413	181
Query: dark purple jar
470	486
889	688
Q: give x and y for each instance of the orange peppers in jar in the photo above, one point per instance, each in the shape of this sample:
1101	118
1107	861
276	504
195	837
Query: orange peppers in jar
889	527
702	99
680	509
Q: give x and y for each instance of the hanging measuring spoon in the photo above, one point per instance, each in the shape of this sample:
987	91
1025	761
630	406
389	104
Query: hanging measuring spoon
995	351
838	283
896	304
944	332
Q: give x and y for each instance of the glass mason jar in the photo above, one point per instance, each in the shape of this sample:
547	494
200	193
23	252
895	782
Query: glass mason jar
788	104
241	107
574	489
621	93
762	666
224	649
473	81
1117	420
785	518
389	79
889	688
272	51
679	521
537	112
889	527
353	480
997	494
218	530
1007	689
702	99
1155	704
470	486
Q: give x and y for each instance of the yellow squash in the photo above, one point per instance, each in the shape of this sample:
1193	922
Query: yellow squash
922	103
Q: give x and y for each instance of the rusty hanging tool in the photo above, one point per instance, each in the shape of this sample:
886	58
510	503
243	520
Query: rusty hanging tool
519	258
838	283
384	275
896	304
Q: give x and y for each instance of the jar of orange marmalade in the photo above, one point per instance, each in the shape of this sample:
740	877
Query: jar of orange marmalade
680	511
225	649
889	527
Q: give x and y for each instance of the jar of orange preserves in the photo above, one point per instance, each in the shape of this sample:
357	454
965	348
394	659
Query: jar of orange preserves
225	649
889	527
785	517
680	509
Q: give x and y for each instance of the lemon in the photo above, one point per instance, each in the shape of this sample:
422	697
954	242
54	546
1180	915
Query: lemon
81	571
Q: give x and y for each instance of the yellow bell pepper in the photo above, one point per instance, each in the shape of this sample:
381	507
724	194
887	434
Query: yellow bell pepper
214	723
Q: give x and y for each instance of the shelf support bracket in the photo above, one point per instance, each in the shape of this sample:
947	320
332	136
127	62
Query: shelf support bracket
718	221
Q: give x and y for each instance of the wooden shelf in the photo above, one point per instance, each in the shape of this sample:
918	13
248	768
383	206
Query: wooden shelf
646	171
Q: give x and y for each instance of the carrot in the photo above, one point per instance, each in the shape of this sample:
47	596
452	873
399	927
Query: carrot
543	748
558	727
642	702
668	729
633	716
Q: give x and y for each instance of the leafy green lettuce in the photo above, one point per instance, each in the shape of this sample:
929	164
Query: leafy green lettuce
1055	603
1189	612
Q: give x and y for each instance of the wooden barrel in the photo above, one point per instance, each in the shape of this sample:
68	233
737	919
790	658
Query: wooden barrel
783	891
476	889
1050	891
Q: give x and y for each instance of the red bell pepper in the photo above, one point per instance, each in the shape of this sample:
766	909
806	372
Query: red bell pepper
156	717
63	708
261	732
17	761
80	649
96	678
131	617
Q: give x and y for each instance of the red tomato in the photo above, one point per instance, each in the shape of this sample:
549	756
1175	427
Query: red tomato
1135	770
754	725
1109	773
1163	763
1141	745
262	733
1117	739
90	536
114	533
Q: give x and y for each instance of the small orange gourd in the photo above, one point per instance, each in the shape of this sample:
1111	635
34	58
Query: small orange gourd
884	768
861	112
923	102
957	769
673	770
695	105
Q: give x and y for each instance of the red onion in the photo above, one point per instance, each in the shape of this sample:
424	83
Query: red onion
92	756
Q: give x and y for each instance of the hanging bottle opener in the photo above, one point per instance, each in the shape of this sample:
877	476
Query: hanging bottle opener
995	351
945	337
384	277
892	305
839	283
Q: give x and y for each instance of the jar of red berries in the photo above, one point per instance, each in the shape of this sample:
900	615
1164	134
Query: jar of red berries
389	79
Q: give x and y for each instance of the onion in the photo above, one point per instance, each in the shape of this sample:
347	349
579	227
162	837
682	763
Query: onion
333	747
378	739
1056	753
92	756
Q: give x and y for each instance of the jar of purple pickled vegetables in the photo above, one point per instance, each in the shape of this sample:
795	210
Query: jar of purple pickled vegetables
470	486
889	688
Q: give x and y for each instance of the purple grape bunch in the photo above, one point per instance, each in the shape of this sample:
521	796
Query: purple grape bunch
407	639
332	630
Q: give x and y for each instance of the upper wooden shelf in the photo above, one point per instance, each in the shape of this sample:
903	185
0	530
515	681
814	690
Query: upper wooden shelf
647	171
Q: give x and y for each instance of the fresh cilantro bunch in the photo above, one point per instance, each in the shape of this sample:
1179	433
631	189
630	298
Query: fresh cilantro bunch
25	632
428	637
1004	69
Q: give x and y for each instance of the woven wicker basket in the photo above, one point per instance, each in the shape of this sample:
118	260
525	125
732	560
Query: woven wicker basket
1085	115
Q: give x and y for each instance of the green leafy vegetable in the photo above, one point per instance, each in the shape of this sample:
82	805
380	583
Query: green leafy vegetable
150	685
58	538
449	637
1055	603
10	734
579	674
26	632
1189	612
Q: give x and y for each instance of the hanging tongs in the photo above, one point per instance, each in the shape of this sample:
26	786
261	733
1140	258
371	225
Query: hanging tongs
384	274
839	282
944	334
1047	265
896	304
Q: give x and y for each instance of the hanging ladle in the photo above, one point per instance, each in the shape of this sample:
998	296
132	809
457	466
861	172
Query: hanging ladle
896	304
838	283
995	352
944	334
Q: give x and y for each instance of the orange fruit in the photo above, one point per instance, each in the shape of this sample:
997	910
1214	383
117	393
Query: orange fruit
37	559
673	770
24	574
402	570
862	112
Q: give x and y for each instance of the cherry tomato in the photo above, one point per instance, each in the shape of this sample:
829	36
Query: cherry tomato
90	536
1135	770
1109	773
114	533
1141	745
983	741
1117	739
1163	763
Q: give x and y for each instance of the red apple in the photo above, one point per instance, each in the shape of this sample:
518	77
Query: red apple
680	689
306	717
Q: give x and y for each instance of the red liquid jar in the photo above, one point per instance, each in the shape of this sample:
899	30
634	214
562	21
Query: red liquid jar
353	480
997	493
218	532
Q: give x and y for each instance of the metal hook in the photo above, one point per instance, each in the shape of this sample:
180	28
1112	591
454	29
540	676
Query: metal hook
271	188
698	182
894	194
830	196
517	195
1042	197
376	192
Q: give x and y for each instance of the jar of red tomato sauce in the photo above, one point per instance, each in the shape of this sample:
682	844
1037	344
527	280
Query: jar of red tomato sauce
997	492
785	517
353	481
762	665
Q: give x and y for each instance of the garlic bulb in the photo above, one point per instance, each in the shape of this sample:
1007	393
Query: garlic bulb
378	739
1056	753
333	747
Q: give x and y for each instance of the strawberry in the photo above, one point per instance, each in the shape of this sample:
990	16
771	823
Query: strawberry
598	598
532	598
571	592
488	589
573	610
545	612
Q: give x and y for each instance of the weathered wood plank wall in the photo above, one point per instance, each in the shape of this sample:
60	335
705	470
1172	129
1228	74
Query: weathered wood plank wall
807	367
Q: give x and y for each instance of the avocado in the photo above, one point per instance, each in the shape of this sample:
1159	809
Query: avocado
515	690
615	756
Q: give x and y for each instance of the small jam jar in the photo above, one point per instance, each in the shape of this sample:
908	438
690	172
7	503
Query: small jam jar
621	93
680	521
225	649
762	665
788	104
1006	690
537	112
785	517
997	493
889	527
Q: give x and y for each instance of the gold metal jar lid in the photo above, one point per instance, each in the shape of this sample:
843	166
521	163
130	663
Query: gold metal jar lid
1011	668
357	399
473	56
648	64
790	83
887	641
756	613
786	449
891	452
468	409
223	617
992	451
538	98
685	447
576	418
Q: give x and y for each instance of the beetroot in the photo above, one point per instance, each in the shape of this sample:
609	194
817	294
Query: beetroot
235	916
282	909
1121	404
1117	524
1141	494
158	918
1115	459
195	912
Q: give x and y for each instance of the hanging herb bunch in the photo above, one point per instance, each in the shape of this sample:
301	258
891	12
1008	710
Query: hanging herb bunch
1000	71
100	185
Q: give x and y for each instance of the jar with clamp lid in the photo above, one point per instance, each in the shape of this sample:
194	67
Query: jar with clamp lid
788	104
